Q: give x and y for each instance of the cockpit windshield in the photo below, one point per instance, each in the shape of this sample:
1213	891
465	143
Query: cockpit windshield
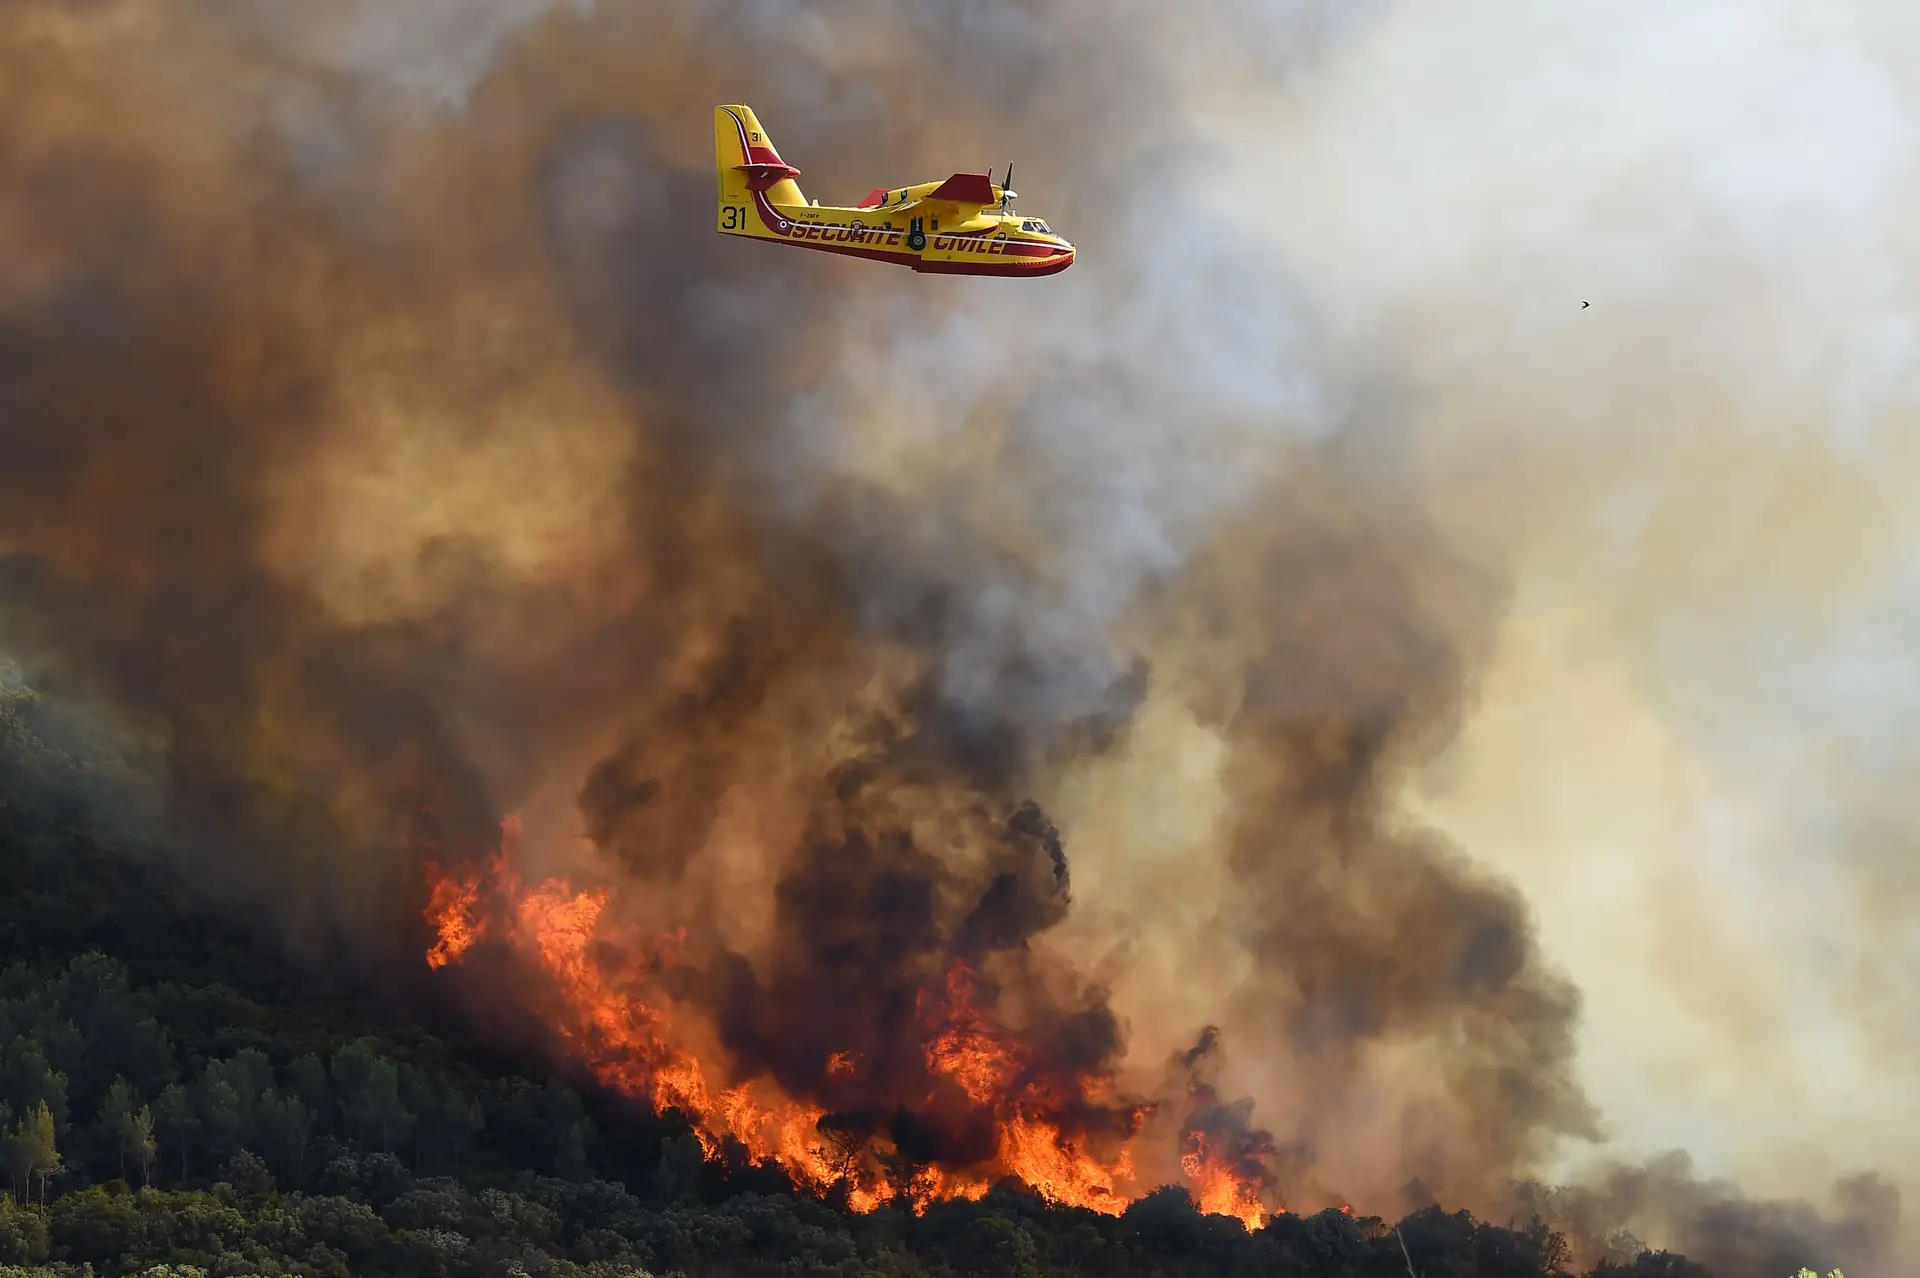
1035	224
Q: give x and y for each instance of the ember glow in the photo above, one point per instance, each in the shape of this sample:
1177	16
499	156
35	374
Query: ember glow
605	1001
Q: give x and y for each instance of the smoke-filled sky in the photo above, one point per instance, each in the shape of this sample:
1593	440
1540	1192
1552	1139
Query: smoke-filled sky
1491	714
1689	736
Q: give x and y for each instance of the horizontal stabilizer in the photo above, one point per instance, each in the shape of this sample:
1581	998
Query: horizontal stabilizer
760	162
965	188
760	176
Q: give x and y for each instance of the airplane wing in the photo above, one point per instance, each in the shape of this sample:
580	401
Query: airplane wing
965	188
965	194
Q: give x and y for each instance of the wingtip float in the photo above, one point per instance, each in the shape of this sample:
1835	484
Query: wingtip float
961	226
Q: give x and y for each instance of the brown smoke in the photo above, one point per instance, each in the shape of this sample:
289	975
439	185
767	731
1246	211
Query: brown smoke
389	436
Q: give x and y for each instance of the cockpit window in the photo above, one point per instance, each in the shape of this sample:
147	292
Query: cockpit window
1027	225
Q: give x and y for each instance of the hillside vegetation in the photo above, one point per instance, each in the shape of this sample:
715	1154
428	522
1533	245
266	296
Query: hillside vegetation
176	1099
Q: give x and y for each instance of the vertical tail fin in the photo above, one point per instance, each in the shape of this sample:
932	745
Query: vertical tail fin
746	163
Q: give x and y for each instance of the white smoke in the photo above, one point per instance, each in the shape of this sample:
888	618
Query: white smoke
1687	746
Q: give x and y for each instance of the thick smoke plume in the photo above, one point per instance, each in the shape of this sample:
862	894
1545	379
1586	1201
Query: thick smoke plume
923	711
1717	1224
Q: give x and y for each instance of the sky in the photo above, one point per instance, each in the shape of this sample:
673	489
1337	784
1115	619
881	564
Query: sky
1688	745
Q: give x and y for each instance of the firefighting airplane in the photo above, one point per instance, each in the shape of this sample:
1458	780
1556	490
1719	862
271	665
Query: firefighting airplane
961	226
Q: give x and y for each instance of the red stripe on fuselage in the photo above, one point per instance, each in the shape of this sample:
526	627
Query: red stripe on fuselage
796	233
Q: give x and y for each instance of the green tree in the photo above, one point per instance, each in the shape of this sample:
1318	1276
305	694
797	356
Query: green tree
95	1226
230	1092
113	1033
26	1076
24	1239
454	1120
179	1119
31	1151
307	1079
570	1151
115	1108
446	1118
996	1245
367	1087
343	1224
126	1125
286	1125
137	1139
348	1076
376	1111
248	1175
226	1124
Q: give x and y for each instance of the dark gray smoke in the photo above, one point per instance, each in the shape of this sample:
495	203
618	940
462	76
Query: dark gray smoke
1717	1224
388	436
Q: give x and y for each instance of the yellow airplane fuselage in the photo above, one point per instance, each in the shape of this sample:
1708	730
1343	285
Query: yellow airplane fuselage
956	227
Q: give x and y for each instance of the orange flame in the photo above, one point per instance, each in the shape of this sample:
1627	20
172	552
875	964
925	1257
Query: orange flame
972	1050
450	910
607	1011
600	1013
1220	1189
1037	1152
965	1046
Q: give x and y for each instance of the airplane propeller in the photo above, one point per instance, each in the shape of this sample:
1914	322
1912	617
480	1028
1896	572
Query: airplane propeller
1006	189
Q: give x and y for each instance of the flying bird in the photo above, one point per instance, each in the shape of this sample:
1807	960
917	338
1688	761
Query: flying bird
1585	305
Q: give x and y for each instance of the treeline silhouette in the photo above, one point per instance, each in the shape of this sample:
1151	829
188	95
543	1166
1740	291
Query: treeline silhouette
177	1100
